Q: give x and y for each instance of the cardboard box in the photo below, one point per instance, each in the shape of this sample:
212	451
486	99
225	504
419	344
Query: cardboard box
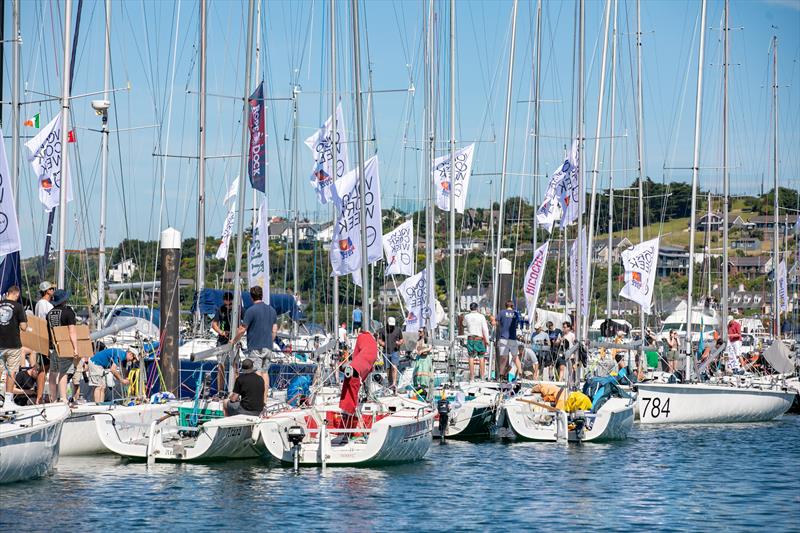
64	345
37	337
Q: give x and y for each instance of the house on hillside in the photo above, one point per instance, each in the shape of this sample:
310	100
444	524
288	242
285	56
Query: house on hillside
710	222
618	245
739	223
284	231
747	244
742	300
750	267
325	232
672	260
122	271
478	295
388	295
468	245
768	221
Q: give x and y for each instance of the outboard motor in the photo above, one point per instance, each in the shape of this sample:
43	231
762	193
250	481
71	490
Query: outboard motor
443	408
296	434
579	420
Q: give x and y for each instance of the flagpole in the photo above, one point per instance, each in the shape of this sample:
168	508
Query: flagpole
200	243
101	245
63	168
362	182
698	108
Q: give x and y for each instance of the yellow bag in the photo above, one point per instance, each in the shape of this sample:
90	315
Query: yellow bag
578	401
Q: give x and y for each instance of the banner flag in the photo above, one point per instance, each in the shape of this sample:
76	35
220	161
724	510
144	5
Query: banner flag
398	246
417	295
581	295
257	161
258	254
45	158
459	184
227	231
233	191
783	289
533	279
9	227
322	178
561	199
640	273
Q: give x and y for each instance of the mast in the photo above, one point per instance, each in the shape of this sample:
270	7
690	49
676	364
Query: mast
362	182
295	208
609	278
237	278
596	161
581	172
452	292
200	245
775	245
334	153
698	108
62	206
101	245
536	108
501	212
428	156
15	106
725	178
640	146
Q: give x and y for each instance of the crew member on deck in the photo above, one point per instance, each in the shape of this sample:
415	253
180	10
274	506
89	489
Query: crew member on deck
365	353
248	395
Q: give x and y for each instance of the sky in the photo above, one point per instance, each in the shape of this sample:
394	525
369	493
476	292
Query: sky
154	49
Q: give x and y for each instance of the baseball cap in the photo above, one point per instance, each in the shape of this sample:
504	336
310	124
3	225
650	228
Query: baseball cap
45	286
391	321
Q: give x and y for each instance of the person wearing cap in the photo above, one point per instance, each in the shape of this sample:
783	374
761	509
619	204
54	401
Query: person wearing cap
248	393
476	328
12	321
734	348
390	338
113	361
63	364
45	304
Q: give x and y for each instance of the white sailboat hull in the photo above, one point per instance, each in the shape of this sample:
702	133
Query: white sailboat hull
29	444
613	421
699	403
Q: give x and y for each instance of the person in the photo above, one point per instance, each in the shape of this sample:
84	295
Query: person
111	360
553	394
45	304
63	364
391	339
541	345
357	318
621	371
526	356
673	348
343	336
565	343
248	396
507	321
25	385
261	324
365	353
555	336
221	325
422	376
12	321
477	330
734	348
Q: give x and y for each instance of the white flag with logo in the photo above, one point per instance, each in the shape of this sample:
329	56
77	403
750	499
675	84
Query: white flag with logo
562	194
227	231
581	295
446	184
258	254
322	176
346	244
398	246
783	288
533	279
640	273
9	227
45	158
417	294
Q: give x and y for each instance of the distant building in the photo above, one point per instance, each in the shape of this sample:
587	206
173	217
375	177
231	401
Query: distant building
478	295
387	294
710	222
467	246
600	255
750	267
768	221
325	232
748	244
740	223
672	260
122	271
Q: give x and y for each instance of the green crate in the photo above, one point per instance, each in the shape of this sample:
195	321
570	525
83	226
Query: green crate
203	415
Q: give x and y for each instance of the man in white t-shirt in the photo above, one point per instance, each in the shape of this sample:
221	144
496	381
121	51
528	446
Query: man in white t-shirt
477	330
44	305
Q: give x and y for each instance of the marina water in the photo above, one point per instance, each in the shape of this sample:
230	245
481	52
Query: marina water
670	478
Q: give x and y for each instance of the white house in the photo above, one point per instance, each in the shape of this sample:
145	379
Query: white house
121	271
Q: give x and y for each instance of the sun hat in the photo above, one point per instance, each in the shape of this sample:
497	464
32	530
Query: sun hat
59	297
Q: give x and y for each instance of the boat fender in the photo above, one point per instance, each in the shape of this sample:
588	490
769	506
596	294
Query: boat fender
348	371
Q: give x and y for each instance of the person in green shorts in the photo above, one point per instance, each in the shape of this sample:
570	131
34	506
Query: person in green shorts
477	330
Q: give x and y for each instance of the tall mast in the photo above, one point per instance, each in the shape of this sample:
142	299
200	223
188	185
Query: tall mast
257	77
609	265
596	160
536	109
725	178
62	205
428	157
452	292
581	172
237	278
101	245
334	152
362	182
640	146
15	105
200	245
775	245
295	208
698	108
501	212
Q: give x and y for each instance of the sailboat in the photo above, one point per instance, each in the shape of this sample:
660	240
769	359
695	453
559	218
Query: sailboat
29	441
724	400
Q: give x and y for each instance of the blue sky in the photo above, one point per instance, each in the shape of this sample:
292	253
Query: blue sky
163	100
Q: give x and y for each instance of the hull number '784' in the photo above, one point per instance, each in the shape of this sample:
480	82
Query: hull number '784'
654	407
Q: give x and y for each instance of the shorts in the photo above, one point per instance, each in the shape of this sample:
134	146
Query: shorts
62	365
260	358
96	374
673	355
391	358
476	348
12	358
356	325
507	347
560	361
43	362
235	408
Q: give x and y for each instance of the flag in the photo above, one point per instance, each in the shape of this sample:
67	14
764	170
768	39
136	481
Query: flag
257	160
581	295
345	250
71	136
561	199
322	175
10	272
783	289
457	187
417	294
227	231
233	190
9	228
533	279
45	158
640	273
398	247
258	254
33	122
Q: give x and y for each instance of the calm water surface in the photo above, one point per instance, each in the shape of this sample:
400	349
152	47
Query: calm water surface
702	478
